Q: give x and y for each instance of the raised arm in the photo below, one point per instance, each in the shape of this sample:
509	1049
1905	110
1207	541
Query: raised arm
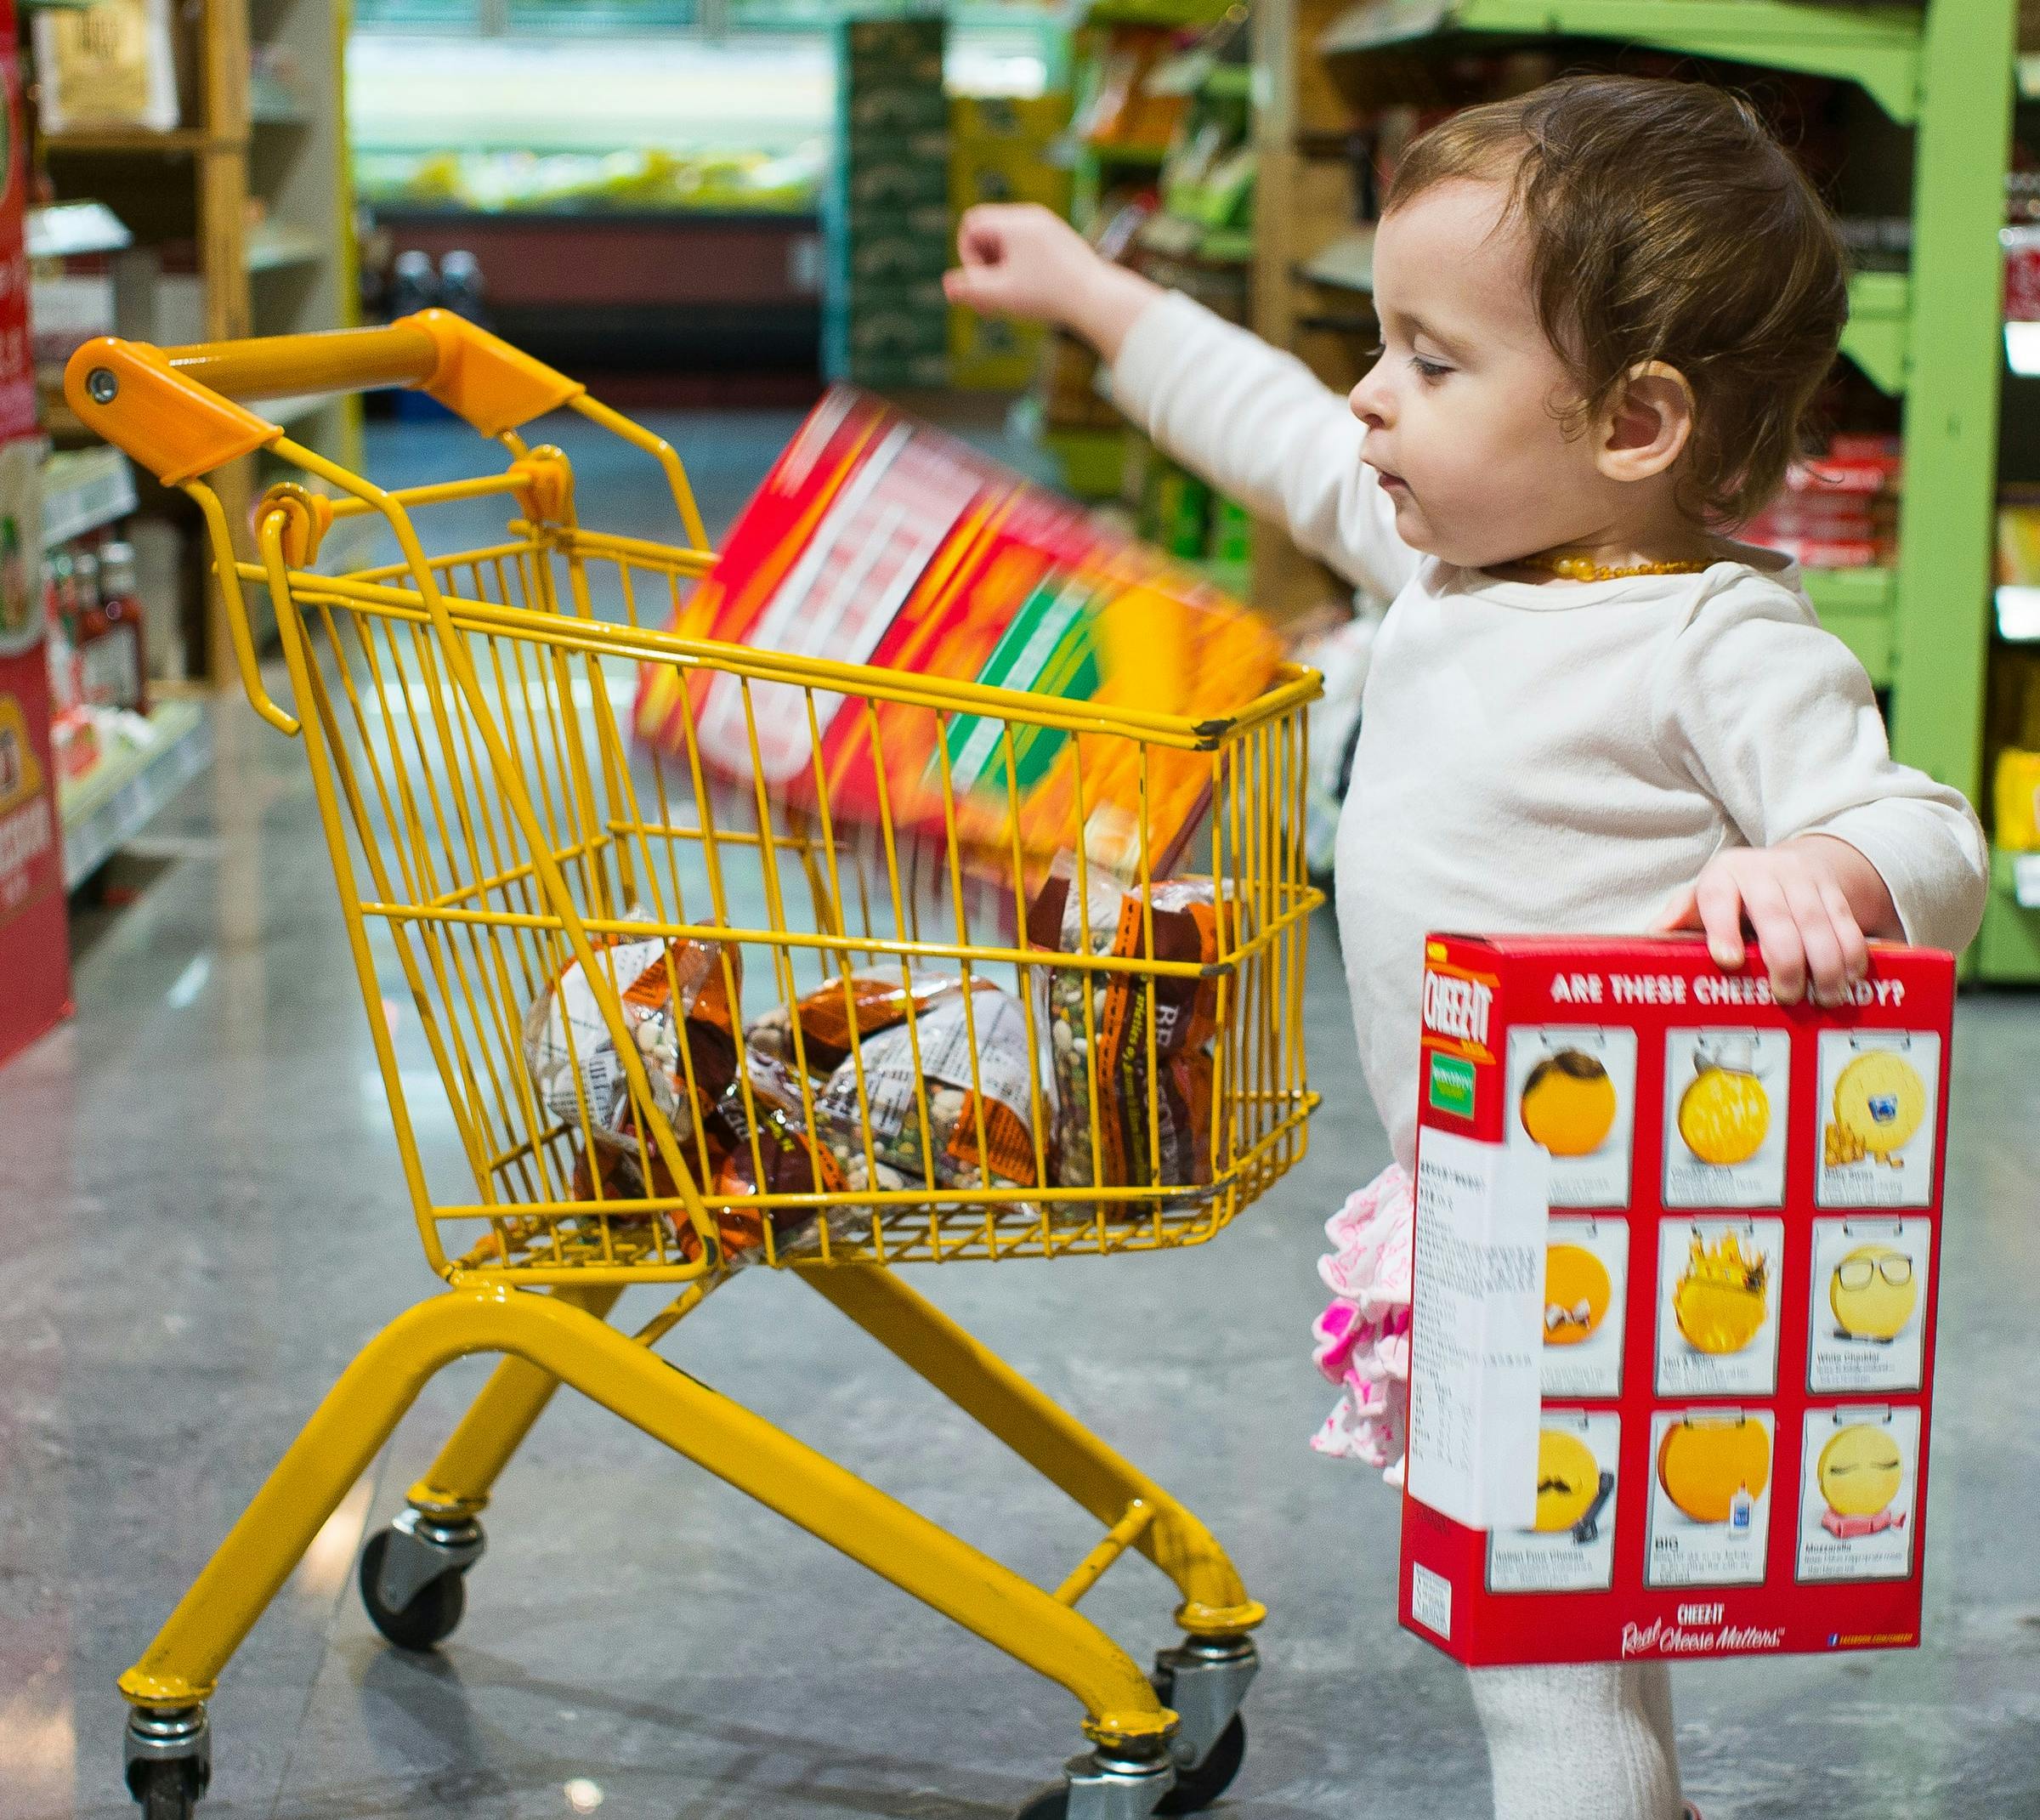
1255	423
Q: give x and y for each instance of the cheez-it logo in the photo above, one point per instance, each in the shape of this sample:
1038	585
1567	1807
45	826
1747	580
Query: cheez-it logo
1456	1006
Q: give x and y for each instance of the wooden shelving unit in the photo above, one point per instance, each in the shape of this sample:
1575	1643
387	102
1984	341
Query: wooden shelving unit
258	182
1941	75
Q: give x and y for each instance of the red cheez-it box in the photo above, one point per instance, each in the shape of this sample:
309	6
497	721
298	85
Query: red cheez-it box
1672	1340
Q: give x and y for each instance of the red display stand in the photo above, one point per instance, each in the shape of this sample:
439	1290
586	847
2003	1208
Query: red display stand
35	952
1672	1344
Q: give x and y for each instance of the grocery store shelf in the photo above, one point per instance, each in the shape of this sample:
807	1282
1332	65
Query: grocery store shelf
271	247
2008	951
114	800
83	489
174	143
1878	48
1346	264
1106	153
1877	336
1154	13
2018	614
1858	606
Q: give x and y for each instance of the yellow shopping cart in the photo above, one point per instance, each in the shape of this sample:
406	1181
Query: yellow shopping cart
502	844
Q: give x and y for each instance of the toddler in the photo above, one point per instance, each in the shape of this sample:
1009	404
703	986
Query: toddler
1605	307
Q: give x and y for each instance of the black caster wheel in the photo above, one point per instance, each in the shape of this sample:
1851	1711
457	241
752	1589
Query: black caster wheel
166	1791
431	1616
1196	1789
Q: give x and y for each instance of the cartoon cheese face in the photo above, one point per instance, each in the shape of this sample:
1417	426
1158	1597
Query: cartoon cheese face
1705	1461
1879	1101
1860	1470
1720	1301
1576	1293
1568	1104
1873	1292
1724	1115
1568	1477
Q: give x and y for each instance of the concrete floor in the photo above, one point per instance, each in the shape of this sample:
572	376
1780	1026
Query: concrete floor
201	1201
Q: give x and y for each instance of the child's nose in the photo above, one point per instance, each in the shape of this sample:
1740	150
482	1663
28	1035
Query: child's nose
1369	402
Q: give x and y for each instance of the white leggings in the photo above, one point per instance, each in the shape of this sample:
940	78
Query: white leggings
1594	1739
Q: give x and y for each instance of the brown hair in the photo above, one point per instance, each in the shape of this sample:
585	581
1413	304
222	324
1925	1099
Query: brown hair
1665	223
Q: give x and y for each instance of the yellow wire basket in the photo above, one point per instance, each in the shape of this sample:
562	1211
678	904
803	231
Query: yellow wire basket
502	843
682	1022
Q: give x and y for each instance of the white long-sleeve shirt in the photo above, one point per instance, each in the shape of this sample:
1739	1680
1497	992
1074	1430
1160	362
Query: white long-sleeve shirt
1545	760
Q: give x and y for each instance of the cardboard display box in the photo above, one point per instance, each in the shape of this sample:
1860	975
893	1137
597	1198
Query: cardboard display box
1677	1252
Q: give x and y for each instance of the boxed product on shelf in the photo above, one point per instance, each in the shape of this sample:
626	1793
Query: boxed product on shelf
1839	510
992	353
892	250
887	214
1004	179
1033	121
903	52
110	65
2016	799
901	173
1672	1340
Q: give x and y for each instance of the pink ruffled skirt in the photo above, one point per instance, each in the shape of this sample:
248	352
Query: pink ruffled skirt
1363	1337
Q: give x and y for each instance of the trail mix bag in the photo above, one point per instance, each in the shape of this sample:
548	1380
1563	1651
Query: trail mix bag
674	995
1098	1029
676	999
923	1033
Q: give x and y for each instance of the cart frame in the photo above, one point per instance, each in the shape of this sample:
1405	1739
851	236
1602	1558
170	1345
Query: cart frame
183	413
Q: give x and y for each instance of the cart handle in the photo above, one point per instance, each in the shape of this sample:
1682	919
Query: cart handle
181	412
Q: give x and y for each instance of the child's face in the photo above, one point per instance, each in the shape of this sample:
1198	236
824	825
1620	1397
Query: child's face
1464	406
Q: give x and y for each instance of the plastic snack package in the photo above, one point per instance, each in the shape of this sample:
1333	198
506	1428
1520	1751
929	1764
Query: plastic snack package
1099	1026
676	999
769	1149
979	1129
870	1002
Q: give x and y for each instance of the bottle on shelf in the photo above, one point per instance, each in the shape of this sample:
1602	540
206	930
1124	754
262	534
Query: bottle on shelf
110	646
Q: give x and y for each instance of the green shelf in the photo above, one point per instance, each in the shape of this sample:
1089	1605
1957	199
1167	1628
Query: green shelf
1168	13
1859	606
1878	48
1146	157
2009	950
1879	335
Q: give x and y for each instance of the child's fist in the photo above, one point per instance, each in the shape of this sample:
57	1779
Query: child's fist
1019	259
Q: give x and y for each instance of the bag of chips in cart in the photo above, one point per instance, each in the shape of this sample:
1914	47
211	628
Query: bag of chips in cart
1101	1022
924	1117
676	997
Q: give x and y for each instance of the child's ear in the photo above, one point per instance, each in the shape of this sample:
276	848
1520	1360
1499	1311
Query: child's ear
1647	430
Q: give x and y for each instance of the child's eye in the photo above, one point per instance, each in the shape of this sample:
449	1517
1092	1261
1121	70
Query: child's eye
1430	371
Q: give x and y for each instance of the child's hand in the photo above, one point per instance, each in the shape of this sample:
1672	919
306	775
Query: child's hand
1810	903
1019	259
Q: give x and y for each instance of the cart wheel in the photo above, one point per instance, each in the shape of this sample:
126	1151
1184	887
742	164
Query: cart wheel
166	1791
1196	1789
434	1611
1052	1803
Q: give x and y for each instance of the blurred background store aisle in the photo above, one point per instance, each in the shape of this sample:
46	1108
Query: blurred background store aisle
710	209
200	1201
